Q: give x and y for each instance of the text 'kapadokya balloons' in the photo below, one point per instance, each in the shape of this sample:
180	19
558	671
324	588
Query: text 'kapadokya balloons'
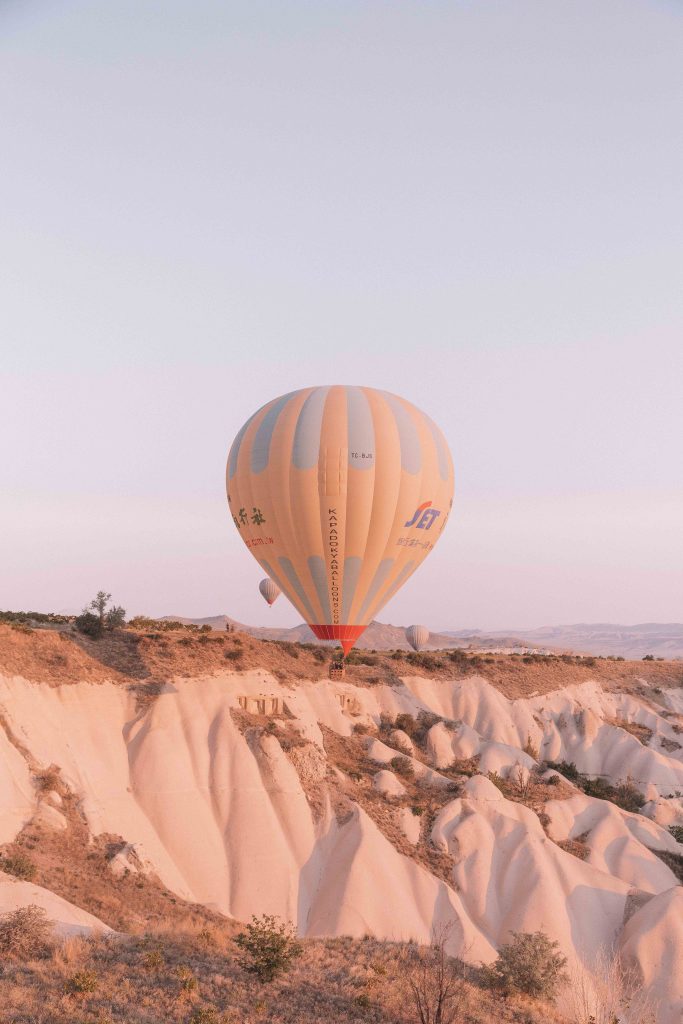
269	590
339	493
417	637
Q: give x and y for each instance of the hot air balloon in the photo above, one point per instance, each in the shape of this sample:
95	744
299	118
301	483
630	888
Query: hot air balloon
339	493
269	590
417	637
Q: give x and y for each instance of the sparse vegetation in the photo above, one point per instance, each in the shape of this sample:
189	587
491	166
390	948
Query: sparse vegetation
674	861
34	618
436	982
530	964
18	864
625	794
566	768
268	947
402	766
677	832
81	982
25	933
99	616
530	748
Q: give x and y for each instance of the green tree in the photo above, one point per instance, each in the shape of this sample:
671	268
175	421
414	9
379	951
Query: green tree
268	947
530	963
96	617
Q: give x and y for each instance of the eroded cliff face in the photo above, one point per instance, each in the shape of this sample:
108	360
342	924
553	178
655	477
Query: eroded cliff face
310	800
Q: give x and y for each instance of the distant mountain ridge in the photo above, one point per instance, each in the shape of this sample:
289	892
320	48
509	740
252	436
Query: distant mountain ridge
661	640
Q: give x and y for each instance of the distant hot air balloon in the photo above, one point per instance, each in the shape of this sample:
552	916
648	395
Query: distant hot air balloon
417	637
339	493
269	590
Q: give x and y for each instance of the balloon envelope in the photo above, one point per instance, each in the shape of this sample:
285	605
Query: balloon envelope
269	590
417	637
339	493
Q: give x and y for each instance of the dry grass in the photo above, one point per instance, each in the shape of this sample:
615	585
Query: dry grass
347	753
146	661
578	847
641	732
191	977
75	865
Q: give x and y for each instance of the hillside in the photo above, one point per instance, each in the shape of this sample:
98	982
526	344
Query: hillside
664	640
378	635
176	782
659	640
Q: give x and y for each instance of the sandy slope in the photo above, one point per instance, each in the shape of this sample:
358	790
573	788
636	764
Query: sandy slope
67	919
230	815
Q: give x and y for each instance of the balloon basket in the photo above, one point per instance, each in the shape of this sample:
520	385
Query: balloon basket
337	670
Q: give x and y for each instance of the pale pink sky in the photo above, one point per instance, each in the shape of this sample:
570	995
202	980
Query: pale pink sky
475	205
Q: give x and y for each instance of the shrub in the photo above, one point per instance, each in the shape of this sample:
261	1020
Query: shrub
426	661
44	618
234	655
435	982
268	947
402	766
288	647
530	749
19	865
81	982
497	781
153	961
188	982
566	768
116	616
625	795
530	964
89	624
677	832
204	1015
406	723
25	933
674	861
97	617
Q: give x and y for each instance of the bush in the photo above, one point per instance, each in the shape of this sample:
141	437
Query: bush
33	618
205	1015
402	766
677	832
436	982
188	982
25	933
406	723
497	780
530	749
566	768
425	661
89	624
268	946
19	865
625	795
80	982
97	617
530	964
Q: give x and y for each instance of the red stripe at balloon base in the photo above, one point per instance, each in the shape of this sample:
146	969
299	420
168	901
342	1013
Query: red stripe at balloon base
347	635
